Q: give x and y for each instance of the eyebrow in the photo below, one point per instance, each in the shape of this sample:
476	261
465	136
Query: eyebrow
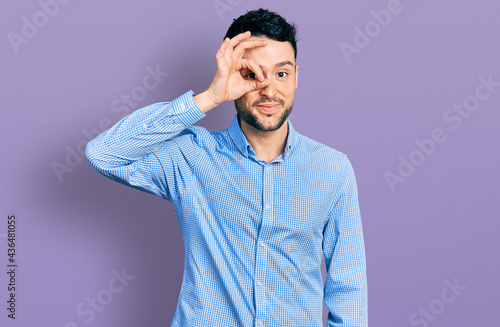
283	63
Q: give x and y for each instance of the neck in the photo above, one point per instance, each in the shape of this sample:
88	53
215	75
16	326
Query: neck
267	144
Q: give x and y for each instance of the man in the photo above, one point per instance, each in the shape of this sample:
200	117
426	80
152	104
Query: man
257	203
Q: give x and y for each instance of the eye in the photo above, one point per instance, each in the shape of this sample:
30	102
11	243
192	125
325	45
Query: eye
283	73
250	75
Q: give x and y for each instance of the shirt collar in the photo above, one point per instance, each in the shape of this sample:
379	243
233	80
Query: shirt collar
243	145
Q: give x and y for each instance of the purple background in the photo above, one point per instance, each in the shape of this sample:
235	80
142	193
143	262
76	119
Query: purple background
440	223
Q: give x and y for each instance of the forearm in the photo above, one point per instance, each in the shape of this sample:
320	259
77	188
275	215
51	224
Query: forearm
346	291
204	102
140	133
346	296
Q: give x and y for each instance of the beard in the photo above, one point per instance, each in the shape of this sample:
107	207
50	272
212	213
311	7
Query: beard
248	117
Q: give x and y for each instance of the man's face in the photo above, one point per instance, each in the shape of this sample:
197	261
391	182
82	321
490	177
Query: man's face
267	109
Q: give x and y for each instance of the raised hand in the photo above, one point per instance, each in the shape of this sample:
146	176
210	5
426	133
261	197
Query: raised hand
228	83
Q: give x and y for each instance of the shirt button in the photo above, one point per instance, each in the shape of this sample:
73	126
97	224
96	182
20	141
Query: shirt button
183	106
268	168
261	243
259	322
267	206
144	126
259	283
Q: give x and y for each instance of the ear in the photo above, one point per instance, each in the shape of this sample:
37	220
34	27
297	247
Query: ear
296	75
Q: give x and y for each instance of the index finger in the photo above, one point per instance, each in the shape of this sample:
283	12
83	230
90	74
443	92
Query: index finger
238	38
243	46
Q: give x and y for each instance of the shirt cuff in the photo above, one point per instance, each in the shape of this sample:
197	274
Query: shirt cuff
188	111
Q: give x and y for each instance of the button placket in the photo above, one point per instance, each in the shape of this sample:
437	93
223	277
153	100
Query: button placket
267	222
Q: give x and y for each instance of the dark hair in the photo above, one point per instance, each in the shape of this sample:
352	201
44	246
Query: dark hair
263	22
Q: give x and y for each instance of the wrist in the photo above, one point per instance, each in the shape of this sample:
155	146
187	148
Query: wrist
204	102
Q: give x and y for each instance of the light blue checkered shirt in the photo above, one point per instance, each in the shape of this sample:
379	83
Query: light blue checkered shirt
254	233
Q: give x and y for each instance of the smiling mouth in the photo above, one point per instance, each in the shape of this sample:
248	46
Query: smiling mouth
269	109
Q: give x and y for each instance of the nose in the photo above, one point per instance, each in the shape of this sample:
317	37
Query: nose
270	90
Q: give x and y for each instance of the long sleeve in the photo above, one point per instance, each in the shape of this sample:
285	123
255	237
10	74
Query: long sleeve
141	150
346	292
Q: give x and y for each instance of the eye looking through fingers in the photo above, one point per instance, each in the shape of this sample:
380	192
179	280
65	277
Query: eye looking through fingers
246	73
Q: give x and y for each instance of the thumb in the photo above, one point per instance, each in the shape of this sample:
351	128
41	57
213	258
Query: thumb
256	84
